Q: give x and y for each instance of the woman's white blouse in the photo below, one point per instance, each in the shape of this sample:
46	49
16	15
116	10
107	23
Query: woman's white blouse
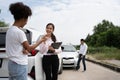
45	45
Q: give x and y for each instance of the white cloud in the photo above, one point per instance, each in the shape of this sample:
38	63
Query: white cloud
73	19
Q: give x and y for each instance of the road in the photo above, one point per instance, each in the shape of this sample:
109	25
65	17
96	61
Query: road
93	72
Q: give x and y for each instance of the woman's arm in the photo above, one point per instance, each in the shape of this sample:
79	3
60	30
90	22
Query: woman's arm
57	51
29	47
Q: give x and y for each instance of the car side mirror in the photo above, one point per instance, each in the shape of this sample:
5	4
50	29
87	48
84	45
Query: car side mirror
62	48
77	51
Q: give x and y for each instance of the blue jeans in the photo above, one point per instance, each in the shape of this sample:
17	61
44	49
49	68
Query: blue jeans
17	71
81	57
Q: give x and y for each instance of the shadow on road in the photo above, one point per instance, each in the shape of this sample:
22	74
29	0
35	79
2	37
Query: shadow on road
68	68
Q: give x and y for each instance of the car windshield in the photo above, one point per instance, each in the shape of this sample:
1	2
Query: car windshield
68	48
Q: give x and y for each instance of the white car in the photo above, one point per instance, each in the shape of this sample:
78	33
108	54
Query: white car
69	55
35	71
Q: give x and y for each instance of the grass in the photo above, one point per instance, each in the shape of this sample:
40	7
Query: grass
106	56
104	53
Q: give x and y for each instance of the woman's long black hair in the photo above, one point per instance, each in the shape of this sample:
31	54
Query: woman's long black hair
53	37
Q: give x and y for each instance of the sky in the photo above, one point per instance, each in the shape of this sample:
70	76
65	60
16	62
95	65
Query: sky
73	19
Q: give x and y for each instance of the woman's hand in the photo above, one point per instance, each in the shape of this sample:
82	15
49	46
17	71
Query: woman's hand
51	49
25	52
45	37
42	39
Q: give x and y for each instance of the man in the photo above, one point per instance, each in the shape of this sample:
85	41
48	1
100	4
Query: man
82	53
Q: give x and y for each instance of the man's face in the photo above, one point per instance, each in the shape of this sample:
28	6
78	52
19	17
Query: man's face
82	42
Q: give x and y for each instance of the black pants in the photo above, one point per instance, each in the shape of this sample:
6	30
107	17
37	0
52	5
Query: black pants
81	57
50	66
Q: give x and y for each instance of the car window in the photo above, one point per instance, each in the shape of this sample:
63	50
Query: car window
2	39
68	48
3	36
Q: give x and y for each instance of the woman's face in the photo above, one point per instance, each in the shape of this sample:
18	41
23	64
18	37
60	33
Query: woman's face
24	22
49	29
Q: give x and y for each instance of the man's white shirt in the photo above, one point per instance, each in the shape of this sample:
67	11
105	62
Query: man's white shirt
83	49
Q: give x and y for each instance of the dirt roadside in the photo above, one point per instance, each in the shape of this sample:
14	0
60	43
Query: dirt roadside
111	64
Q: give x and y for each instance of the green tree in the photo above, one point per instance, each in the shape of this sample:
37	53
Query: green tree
2	23
113	37
102	27
105	34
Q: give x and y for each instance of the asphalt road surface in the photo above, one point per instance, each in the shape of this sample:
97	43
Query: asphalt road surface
93	72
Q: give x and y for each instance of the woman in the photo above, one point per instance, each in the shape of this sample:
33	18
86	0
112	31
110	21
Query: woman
50	61
17	46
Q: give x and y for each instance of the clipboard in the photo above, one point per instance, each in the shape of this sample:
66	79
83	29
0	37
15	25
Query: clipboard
56	45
